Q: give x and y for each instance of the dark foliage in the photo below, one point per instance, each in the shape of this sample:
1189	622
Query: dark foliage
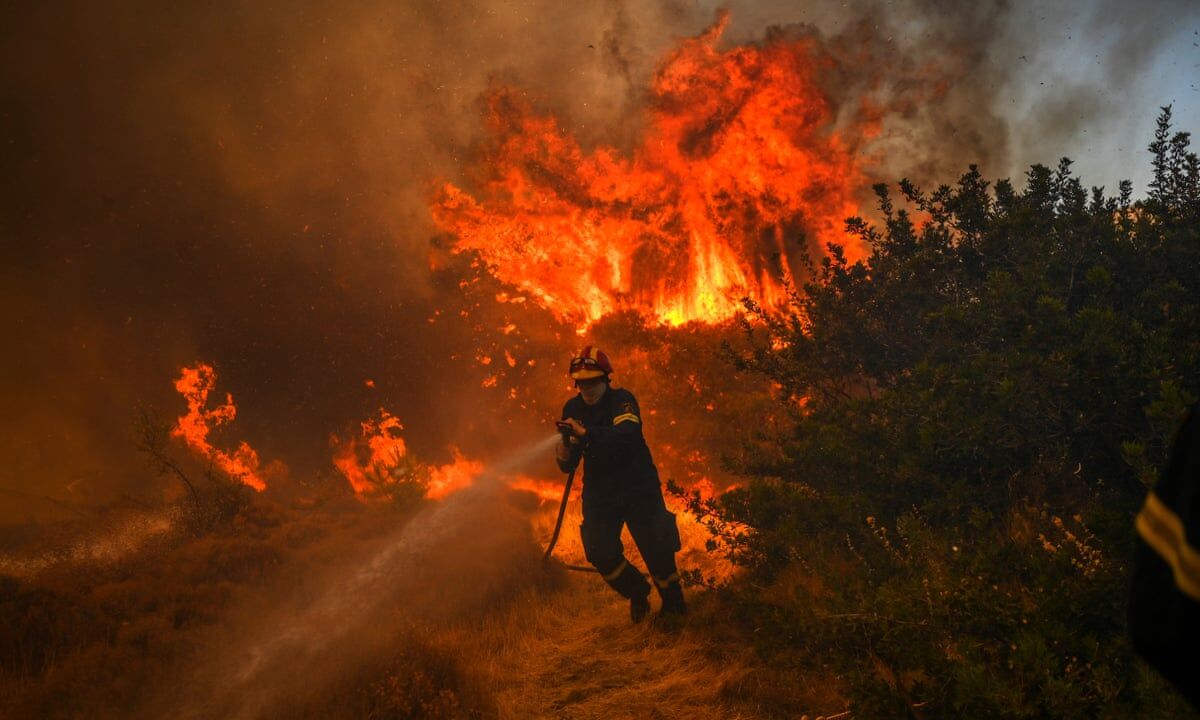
977	414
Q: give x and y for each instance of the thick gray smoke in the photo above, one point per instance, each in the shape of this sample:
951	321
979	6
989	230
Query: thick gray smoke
246	183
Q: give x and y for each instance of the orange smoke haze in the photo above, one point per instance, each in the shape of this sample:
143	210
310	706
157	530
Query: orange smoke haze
739	163
195	383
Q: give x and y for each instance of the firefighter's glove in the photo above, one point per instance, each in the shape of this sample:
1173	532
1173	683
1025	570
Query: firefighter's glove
577	428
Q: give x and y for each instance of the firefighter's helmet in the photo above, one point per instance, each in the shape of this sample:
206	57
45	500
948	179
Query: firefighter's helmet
591	363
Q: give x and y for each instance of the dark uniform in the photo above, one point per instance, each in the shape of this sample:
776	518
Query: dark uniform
621	487
1164	607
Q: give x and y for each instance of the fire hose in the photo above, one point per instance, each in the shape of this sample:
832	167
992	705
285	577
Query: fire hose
562	511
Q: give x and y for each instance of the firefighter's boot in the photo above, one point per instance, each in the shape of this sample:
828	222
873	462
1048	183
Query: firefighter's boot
672	596
639	607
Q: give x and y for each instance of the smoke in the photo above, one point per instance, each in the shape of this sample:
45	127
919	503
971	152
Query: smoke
247	184
1088	81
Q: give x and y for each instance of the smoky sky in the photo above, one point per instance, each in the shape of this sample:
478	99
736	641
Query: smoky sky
247	184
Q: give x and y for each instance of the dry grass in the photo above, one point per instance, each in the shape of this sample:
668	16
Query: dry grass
478	628
574	654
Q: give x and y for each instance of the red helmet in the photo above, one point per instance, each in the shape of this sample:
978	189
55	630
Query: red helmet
591	363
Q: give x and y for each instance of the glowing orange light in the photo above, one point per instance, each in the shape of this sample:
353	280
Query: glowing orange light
195	384
382	447
738	161
456	475
545	490
379	456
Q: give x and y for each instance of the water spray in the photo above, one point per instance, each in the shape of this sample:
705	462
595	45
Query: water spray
303	633
565	430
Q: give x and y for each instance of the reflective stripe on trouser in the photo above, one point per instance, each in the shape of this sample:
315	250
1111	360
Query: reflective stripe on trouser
626	580
663	583
653	529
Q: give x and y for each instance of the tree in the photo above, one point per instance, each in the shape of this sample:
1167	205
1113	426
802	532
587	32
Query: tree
976	414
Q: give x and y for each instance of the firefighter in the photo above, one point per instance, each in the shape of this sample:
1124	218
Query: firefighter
620	487
1164	603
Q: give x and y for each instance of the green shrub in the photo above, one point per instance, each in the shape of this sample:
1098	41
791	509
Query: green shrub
976	413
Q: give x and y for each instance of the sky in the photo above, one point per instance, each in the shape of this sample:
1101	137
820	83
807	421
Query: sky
1082	78
1080	49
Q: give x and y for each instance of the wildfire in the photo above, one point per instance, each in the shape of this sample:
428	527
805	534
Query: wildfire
195	384
378	460
545	490
739	160
380	443
445	479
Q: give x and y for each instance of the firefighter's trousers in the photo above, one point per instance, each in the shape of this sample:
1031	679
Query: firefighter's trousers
654	531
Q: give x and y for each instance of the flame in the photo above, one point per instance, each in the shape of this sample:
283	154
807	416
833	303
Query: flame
446	479
379	456
195	383
738	161
383	447
545	490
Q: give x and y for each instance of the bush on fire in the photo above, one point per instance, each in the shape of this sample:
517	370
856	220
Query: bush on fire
978	412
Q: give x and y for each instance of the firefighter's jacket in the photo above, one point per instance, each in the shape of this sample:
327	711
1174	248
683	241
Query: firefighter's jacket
1164	607
616	460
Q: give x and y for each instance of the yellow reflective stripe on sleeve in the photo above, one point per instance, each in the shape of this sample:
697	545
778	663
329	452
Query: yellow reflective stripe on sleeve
1163	531
617	573
674	577
626	416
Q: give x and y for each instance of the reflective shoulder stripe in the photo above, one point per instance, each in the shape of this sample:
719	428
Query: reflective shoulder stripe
626	416
617	573
1163	531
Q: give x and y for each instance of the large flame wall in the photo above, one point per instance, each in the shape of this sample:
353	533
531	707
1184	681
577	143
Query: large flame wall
738	163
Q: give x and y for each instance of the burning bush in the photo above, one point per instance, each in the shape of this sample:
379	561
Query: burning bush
377	465
206	507
193	428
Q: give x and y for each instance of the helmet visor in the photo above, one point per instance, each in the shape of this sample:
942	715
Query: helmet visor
583	368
